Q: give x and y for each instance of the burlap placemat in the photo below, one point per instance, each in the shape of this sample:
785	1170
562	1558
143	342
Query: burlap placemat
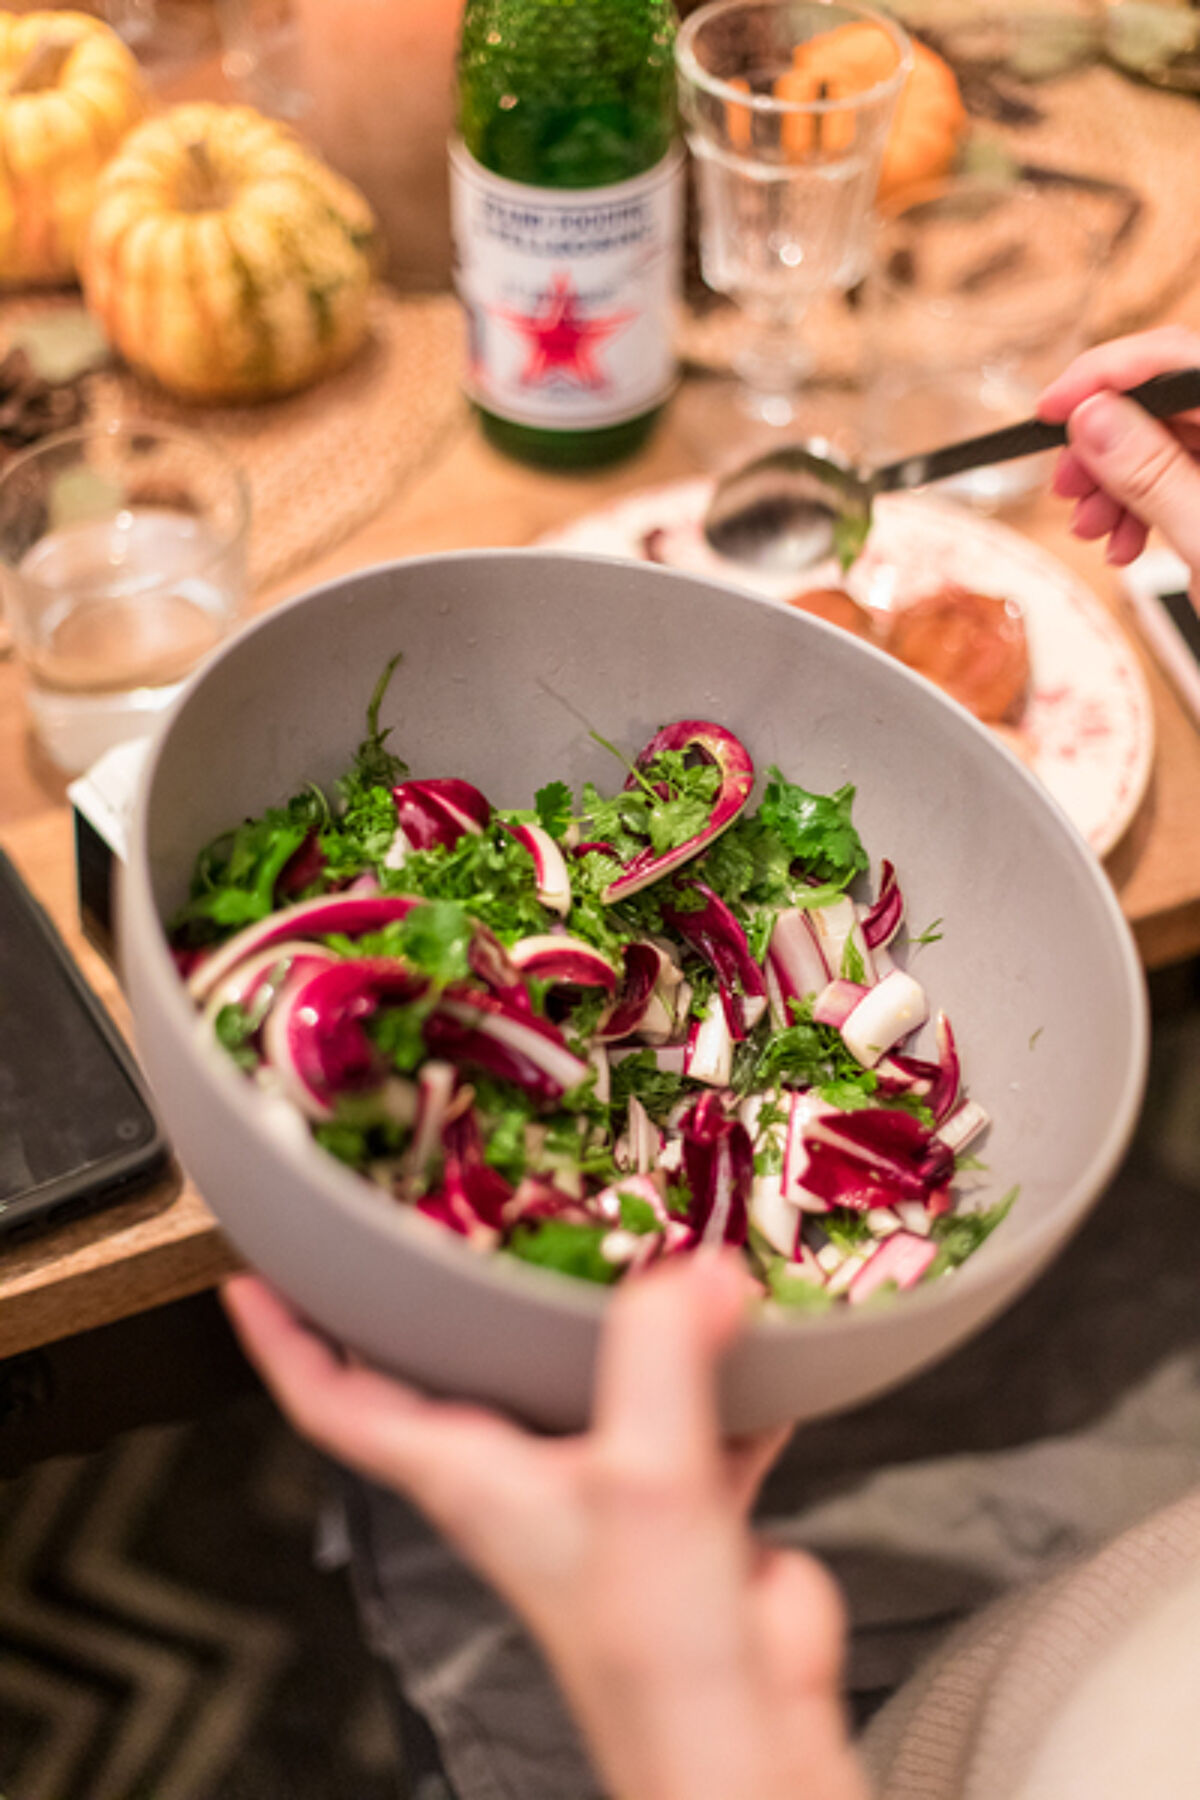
322	462
1096	123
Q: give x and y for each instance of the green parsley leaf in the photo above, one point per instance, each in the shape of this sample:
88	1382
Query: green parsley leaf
637	1214
657	1089
554	804
787	1287
959	1235
816	828
572	1249
850	533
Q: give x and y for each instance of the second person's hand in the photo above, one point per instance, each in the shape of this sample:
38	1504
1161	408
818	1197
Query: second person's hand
1126	472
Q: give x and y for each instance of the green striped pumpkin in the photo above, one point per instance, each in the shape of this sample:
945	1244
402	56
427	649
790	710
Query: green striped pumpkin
225	259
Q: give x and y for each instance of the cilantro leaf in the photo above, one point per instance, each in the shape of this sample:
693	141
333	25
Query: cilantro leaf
959	1235
816	828
554	804
656	1088
572	1249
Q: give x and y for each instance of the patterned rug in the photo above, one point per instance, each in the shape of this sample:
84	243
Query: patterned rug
166	1634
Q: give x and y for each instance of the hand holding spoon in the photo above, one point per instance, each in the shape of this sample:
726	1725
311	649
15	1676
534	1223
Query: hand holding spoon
794	506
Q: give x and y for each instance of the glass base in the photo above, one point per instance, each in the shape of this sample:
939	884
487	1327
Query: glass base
75	730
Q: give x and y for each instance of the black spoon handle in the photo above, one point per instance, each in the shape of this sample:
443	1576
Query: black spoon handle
1162	396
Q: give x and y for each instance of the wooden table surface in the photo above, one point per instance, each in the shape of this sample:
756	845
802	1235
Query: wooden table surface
164	1244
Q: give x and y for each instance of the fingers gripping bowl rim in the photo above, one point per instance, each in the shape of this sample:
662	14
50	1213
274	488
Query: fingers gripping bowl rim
505	652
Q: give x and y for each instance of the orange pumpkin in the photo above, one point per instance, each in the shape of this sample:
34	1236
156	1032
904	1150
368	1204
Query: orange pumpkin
929	119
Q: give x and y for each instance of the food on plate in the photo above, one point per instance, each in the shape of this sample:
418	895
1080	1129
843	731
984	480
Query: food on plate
973	645
600	1030
69	91
225	259
837	607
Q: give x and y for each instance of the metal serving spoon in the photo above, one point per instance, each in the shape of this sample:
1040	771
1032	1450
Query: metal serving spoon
794	506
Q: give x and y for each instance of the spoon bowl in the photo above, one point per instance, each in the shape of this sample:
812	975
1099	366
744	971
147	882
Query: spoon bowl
794	506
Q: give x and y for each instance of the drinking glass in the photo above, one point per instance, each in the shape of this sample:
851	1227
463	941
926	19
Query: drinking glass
786	106
122	564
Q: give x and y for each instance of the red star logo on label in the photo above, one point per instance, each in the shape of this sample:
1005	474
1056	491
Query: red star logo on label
562	339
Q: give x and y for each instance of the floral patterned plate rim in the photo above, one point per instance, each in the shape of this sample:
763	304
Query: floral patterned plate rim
1087	731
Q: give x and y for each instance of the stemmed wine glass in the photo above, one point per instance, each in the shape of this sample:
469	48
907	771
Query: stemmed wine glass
786	106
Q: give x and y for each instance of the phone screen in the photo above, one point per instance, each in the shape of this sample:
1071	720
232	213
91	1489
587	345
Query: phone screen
1186	620
73	1120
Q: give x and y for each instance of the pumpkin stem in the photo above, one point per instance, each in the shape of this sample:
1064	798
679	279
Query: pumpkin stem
205	191
42	64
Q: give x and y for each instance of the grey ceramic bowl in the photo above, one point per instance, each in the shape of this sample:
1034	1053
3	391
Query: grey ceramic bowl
508	658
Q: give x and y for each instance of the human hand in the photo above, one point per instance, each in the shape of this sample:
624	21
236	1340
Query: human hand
1125	471
698	1662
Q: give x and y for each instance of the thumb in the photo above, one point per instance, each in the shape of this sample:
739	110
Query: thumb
1143	465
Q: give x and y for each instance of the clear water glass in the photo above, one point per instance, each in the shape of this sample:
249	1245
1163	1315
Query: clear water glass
787	166
122	565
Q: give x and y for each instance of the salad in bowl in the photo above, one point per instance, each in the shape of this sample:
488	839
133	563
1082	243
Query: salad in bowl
606	1029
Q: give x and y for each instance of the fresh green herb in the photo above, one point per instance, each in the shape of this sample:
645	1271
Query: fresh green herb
1034	1036
396	1032
572	1249
554	804
234	1028
349	1143
374	764
637	1215
489	873
853	967
847	1231
959	1235
851	530
930	935
816	828
236	874
657	1089
787	1287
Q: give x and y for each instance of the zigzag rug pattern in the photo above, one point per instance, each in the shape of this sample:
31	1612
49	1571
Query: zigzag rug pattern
164	1634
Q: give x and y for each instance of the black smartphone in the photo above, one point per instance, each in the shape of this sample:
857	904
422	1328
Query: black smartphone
76	1128
1157	585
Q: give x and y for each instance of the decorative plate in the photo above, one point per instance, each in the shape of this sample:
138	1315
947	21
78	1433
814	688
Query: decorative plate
1087	731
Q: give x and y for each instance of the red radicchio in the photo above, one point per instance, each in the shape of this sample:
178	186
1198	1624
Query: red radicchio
737	782
884	918
715	933
873	1157
434	814
718	1159
349	914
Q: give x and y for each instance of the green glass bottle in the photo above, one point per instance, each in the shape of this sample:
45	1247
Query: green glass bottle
566	196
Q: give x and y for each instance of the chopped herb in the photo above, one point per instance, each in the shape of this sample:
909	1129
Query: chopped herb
572	1249
959	1235
930	935
554	804
799	1293
657	1089
637	1214
816	828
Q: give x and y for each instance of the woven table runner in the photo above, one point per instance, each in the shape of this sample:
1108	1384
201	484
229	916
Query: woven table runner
323	462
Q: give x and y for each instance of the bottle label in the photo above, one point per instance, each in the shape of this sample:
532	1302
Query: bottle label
570	294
